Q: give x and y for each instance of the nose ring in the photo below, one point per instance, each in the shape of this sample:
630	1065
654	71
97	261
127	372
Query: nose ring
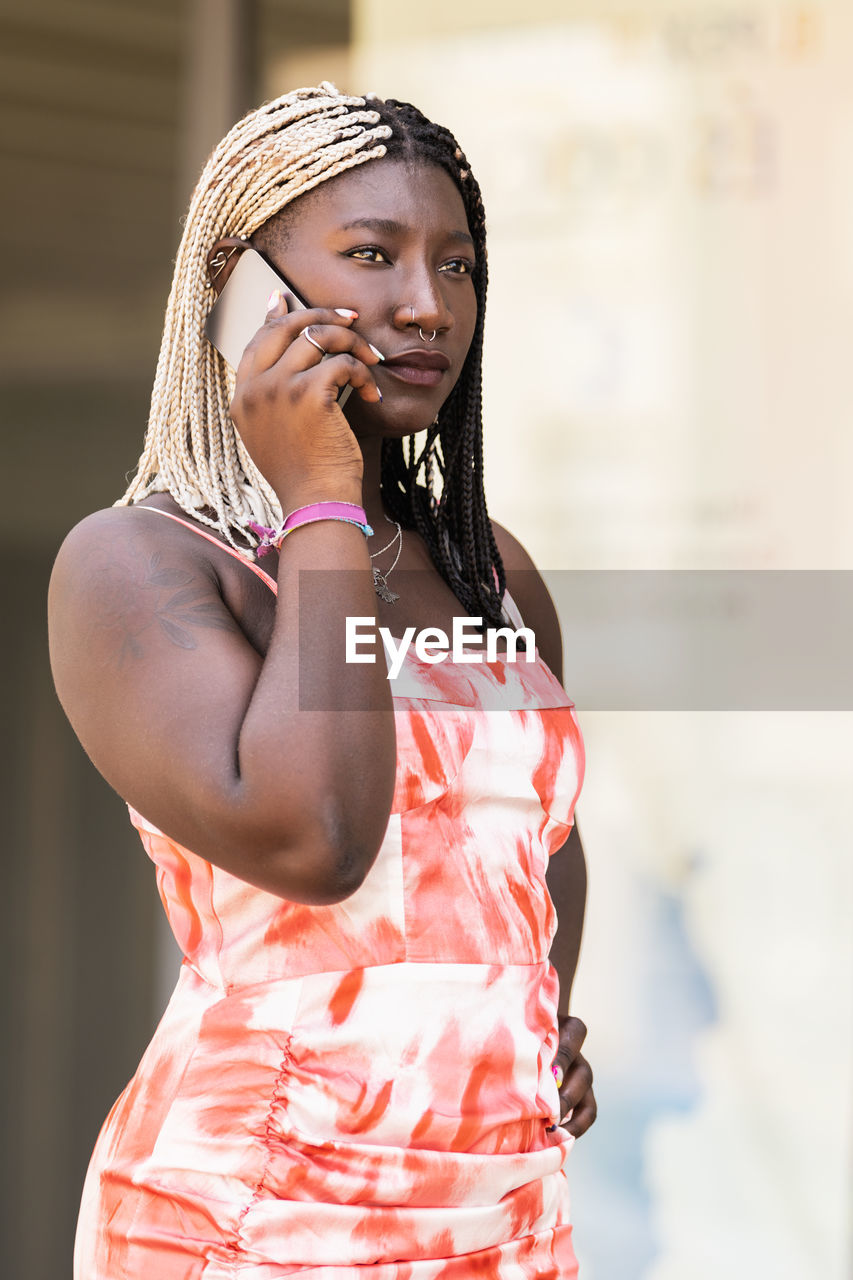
424	337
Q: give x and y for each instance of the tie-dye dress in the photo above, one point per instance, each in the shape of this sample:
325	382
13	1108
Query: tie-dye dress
365	1089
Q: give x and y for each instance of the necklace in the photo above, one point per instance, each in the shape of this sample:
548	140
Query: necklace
380	580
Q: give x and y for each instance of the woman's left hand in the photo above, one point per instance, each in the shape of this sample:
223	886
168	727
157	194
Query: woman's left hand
574	1078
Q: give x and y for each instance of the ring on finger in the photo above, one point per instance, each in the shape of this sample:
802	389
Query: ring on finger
306	333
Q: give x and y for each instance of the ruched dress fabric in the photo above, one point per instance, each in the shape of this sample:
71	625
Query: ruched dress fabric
365	1089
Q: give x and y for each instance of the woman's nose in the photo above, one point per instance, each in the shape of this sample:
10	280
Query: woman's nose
423	306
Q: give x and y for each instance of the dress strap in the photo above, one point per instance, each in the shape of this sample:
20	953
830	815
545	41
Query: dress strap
223	546
510	608
512	611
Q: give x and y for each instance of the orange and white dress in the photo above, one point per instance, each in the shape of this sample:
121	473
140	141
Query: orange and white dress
364	1090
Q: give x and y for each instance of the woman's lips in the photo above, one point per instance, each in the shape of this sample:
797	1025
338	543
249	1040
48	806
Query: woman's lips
415	375
418	368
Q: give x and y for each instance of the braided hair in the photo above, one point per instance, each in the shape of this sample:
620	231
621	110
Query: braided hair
193	452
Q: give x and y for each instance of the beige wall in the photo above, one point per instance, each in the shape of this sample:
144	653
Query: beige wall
671	266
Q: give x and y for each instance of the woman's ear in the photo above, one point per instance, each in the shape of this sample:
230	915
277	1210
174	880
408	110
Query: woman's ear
222	259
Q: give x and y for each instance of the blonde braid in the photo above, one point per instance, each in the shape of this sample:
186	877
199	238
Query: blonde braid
275	154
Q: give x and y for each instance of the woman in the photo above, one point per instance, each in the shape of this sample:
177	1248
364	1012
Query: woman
363	1068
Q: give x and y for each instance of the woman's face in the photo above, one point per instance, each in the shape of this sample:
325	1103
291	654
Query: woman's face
385	239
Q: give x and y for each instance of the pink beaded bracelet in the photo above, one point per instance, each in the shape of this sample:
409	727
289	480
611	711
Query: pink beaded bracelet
349	512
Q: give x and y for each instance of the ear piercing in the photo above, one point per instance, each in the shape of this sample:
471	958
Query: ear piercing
216	264
219	259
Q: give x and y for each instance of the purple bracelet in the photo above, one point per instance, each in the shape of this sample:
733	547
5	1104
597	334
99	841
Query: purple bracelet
348	512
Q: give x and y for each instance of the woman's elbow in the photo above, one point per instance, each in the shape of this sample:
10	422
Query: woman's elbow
331	863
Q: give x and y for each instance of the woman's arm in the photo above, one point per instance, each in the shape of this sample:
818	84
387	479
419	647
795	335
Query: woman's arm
279	769
566	880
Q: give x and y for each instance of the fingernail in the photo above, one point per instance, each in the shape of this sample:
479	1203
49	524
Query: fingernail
347	315
273	300
376	351
379	393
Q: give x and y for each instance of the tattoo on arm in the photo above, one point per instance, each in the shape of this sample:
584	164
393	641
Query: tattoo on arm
133	593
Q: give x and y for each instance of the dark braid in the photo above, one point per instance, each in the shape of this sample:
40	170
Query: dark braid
456	528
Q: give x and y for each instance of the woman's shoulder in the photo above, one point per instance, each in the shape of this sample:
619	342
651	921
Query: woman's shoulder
101	528
116	542
100	537
126	576
129	536
117	562
527	588
514	555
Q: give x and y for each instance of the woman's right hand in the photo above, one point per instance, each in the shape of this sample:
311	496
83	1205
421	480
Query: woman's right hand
285	403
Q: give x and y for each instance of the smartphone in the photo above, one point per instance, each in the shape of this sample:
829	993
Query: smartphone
241	308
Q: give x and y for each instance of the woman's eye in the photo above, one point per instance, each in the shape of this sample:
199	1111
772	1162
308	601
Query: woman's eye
458	266
369	253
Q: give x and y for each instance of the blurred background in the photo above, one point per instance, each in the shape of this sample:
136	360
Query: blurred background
669	185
